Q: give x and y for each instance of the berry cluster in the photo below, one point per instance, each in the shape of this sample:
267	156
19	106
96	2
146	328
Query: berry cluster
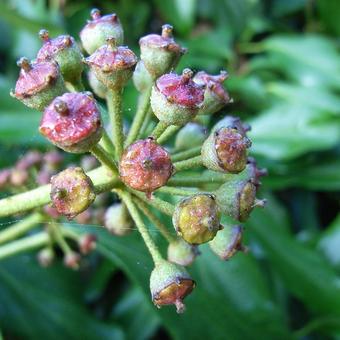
136	166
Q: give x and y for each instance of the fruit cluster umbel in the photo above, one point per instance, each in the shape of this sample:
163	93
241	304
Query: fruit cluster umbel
135	167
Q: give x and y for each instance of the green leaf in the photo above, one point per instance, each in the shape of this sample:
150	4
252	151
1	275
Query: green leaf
45	303
229	291
329	242
302	270
311	60
179	13
286	131
137	325
329	14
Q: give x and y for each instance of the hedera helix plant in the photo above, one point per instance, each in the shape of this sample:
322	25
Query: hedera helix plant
138	165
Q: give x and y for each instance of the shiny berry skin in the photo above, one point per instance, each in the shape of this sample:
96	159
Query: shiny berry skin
145	166
72	122
72	192
225	150
113	65
215	96
97	30
176	99
38	83
197	218
160	53
65	51
170	284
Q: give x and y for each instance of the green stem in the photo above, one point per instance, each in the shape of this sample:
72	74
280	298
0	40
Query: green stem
154	220
180	156
20	203
176	191
104	158
150	244
143	108
76	86
24	244
159	129
114	104
146	124
163	206
21	227
59	238
170	130
188	163
195	180
106	143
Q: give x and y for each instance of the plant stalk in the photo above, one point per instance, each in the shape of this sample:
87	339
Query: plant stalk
188	163
150	244
114	104
20	228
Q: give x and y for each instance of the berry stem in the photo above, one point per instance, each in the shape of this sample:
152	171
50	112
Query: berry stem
20	228
106	143
159	129
104	158
114	104
154	219
76	86
153	249
163	206
195	180
180	156
24	244
176	191
188	163
170	130
58	236
40	196
142	110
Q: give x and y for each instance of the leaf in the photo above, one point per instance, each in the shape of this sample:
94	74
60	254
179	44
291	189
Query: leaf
181	14
286	131
40	303
311	60
329	14
229	291
137	325
330	241
302	270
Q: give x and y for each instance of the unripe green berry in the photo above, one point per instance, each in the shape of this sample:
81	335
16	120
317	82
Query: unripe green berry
215	96
160	53
38	83
170	284
175	100
45	257
72	192
141	77
117	220
197	218
189	136
65	51
227	242
181	252
96	85
236	198
225	150
97	30
113	65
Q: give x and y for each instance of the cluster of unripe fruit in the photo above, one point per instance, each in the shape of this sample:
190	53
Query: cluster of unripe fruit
72	121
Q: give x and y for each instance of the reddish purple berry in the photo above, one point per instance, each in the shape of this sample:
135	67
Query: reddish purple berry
38	83
145	166
176	99
160	53
97	30
113	65
72	122
215	96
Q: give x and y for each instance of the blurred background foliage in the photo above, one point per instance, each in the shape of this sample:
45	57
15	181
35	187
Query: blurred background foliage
284	65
